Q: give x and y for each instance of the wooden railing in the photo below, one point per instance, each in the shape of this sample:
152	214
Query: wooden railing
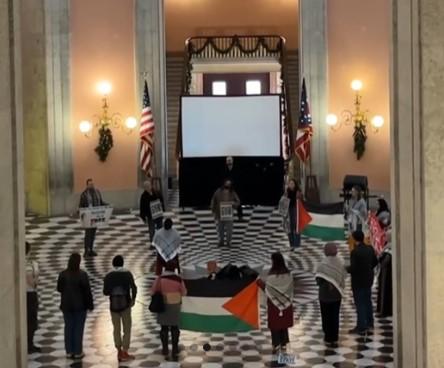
235	47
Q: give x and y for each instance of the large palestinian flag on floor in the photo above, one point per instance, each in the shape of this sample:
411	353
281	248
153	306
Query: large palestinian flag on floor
327	221
220	306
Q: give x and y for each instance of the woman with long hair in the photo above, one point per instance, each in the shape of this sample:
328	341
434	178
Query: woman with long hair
76	300
290	198
278	288
357	210
172	288
383	213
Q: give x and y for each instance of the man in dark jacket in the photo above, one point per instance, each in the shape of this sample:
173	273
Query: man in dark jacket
151	209
90	197
120	287
362	262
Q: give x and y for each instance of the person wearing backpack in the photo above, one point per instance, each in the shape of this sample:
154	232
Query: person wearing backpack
120	287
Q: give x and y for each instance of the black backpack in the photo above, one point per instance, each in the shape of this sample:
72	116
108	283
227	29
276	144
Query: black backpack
118	300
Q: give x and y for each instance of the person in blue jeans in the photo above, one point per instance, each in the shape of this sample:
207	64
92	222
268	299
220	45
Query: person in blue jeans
76	300
363	260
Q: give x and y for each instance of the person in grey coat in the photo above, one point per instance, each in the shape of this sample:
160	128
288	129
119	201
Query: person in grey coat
222	204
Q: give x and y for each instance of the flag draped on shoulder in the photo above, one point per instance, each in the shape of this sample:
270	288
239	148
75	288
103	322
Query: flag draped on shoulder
305	130
146	133
220	306
378	237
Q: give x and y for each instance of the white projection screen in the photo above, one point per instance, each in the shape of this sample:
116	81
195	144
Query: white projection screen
231	126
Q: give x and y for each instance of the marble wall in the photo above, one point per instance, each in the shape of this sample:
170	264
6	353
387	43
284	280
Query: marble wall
12	222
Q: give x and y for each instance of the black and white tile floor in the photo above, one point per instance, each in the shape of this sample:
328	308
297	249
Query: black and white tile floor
254	240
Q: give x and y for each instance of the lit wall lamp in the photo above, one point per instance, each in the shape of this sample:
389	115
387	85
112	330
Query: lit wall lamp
104	122
360	120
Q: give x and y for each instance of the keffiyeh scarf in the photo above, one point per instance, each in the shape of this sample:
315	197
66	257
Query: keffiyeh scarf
332	270
167	243
279	289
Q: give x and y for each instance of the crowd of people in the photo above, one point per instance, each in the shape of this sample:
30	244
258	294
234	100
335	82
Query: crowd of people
76	298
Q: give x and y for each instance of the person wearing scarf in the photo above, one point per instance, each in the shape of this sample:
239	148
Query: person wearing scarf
90	197
278	288
173	289
330	277
167	244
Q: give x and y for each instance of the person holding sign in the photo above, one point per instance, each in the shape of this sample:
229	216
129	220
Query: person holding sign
151	208
90	197
222	204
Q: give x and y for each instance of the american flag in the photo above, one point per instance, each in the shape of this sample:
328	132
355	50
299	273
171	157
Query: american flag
305	130
146	132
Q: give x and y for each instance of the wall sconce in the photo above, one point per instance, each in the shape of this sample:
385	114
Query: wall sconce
104	122
360	120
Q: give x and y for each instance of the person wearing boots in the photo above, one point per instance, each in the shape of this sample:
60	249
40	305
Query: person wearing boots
90	197
172	288
32	300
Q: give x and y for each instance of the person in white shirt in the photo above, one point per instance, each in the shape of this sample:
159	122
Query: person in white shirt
32	300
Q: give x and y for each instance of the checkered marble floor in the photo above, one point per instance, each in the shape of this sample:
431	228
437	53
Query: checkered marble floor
254	240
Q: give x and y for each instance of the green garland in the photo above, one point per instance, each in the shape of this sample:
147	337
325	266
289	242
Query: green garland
360	137
105	143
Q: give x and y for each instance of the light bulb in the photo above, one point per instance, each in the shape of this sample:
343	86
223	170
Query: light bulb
131	122
104	88
356	85
85	126
378	121
331	120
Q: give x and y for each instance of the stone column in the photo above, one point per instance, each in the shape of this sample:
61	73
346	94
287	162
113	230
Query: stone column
57	58
12	222
34	107
417	182
313	65
151	59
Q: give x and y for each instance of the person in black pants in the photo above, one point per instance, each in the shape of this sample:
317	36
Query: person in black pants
90	197
330	277
362	262
76	299
32	300
148	201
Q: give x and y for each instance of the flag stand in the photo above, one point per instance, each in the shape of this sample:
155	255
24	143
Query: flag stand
311	186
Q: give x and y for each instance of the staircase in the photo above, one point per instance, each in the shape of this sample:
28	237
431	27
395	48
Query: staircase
174	75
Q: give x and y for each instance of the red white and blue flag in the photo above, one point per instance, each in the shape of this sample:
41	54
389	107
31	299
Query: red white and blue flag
305	130
146	133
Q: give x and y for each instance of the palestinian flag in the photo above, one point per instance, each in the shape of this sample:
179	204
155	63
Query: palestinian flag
220	306
327	221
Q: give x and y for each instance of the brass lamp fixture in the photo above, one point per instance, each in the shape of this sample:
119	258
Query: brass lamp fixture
359	118
104	122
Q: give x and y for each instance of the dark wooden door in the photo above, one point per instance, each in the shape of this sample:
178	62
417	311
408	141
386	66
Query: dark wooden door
235	84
